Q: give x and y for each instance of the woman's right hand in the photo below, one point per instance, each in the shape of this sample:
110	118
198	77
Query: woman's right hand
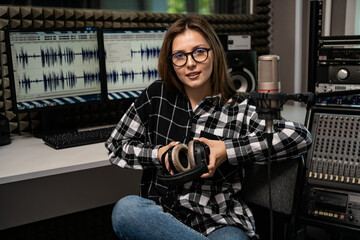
162	150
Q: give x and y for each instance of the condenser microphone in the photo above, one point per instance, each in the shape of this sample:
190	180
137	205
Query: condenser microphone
269	100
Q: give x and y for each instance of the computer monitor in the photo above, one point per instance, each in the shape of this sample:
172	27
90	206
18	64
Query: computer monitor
53	68
131	60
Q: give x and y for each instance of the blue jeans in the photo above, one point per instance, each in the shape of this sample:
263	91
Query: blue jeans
135	217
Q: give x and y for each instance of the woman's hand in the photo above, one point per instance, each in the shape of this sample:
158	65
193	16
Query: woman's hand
217	155
162	150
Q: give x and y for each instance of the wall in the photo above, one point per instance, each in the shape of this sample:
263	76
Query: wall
283	41
290	37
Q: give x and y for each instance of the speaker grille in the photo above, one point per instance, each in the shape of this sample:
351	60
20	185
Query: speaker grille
243	69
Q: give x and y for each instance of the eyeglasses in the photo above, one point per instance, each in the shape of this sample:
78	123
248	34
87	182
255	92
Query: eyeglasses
199	55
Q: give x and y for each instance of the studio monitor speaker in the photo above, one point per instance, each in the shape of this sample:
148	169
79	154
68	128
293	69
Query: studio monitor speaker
243	69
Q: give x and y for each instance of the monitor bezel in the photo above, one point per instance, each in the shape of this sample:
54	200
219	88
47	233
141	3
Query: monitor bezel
11	76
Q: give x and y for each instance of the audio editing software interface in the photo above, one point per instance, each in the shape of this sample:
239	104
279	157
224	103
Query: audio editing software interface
52	68
131	60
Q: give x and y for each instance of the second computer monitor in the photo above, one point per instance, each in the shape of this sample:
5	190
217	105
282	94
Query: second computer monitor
131	60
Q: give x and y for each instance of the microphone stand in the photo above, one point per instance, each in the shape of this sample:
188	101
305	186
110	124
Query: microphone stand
268	107
269	113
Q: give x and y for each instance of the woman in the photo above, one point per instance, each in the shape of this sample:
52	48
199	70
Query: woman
195	99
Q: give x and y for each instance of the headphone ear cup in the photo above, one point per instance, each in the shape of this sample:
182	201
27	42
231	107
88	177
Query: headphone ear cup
191	156
179	158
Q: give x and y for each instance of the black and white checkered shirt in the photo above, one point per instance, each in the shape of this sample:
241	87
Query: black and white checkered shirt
158	117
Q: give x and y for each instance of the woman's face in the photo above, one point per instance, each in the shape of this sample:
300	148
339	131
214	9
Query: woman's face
194	75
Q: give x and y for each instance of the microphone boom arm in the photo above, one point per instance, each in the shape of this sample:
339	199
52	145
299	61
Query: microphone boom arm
307	97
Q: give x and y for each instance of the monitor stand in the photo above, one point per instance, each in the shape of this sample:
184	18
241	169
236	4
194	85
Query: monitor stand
54	121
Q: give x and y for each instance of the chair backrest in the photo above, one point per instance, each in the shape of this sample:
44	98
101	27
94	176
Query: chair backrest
285	182
286	185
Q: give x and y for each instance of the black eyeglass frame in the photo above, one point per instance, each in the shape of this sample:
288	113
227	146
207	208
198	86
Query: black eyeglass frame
191	53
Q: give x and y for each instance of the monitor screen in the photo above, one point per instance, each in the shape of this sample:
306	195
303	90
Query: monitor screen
131	60
51	68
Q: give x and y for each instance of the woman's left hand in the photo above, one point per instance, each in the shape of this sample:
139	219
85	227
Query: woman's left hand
217	155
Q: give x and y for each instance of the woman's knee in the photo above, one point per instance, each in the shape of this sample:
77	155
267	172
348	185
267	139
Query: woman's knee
126	202
129	209
123	212
125	207
228	233
130	213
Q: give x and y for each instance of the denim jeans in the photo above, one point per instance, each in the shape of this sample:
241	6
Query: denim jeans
135	217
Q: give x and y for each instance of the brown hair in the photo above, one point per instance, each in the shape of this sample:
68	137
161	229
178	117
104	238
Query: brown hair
220	78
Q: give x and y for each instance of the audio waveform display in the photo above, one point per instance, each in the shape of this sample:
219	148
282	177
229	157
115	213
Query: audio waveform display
148	52
52	65
53	81
131	60
126	76
51	57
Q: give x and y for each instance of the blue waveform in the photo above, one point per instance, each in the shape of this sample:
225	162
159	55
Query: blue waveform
25	83
51	56
53	80
88	54
125	76
148	52
91	78
151	73
23	58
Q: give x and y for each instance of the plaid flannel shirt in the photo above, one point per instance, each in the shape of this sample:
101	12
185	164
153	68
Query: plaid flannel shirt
158	117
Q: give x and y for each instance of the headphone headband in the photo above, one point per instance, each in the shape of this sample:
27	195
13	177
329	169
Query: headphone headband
197	157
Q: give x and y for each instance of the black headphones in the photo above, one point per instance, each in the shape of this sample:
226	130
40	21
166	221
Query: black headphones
187	163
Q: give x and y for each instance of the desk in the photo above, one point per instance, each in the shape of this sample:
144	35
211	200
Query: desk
28	158
38	182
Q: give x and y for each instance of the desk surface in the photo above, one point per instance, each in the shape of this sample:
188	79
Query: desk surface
28	157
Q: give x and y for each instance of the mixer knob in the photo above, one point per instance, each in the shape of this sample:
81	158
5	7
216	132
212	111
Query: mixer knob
342	74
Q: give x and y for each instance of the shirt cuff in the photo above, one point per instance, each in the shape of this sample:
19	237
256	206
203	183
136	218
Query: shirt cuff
154	156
